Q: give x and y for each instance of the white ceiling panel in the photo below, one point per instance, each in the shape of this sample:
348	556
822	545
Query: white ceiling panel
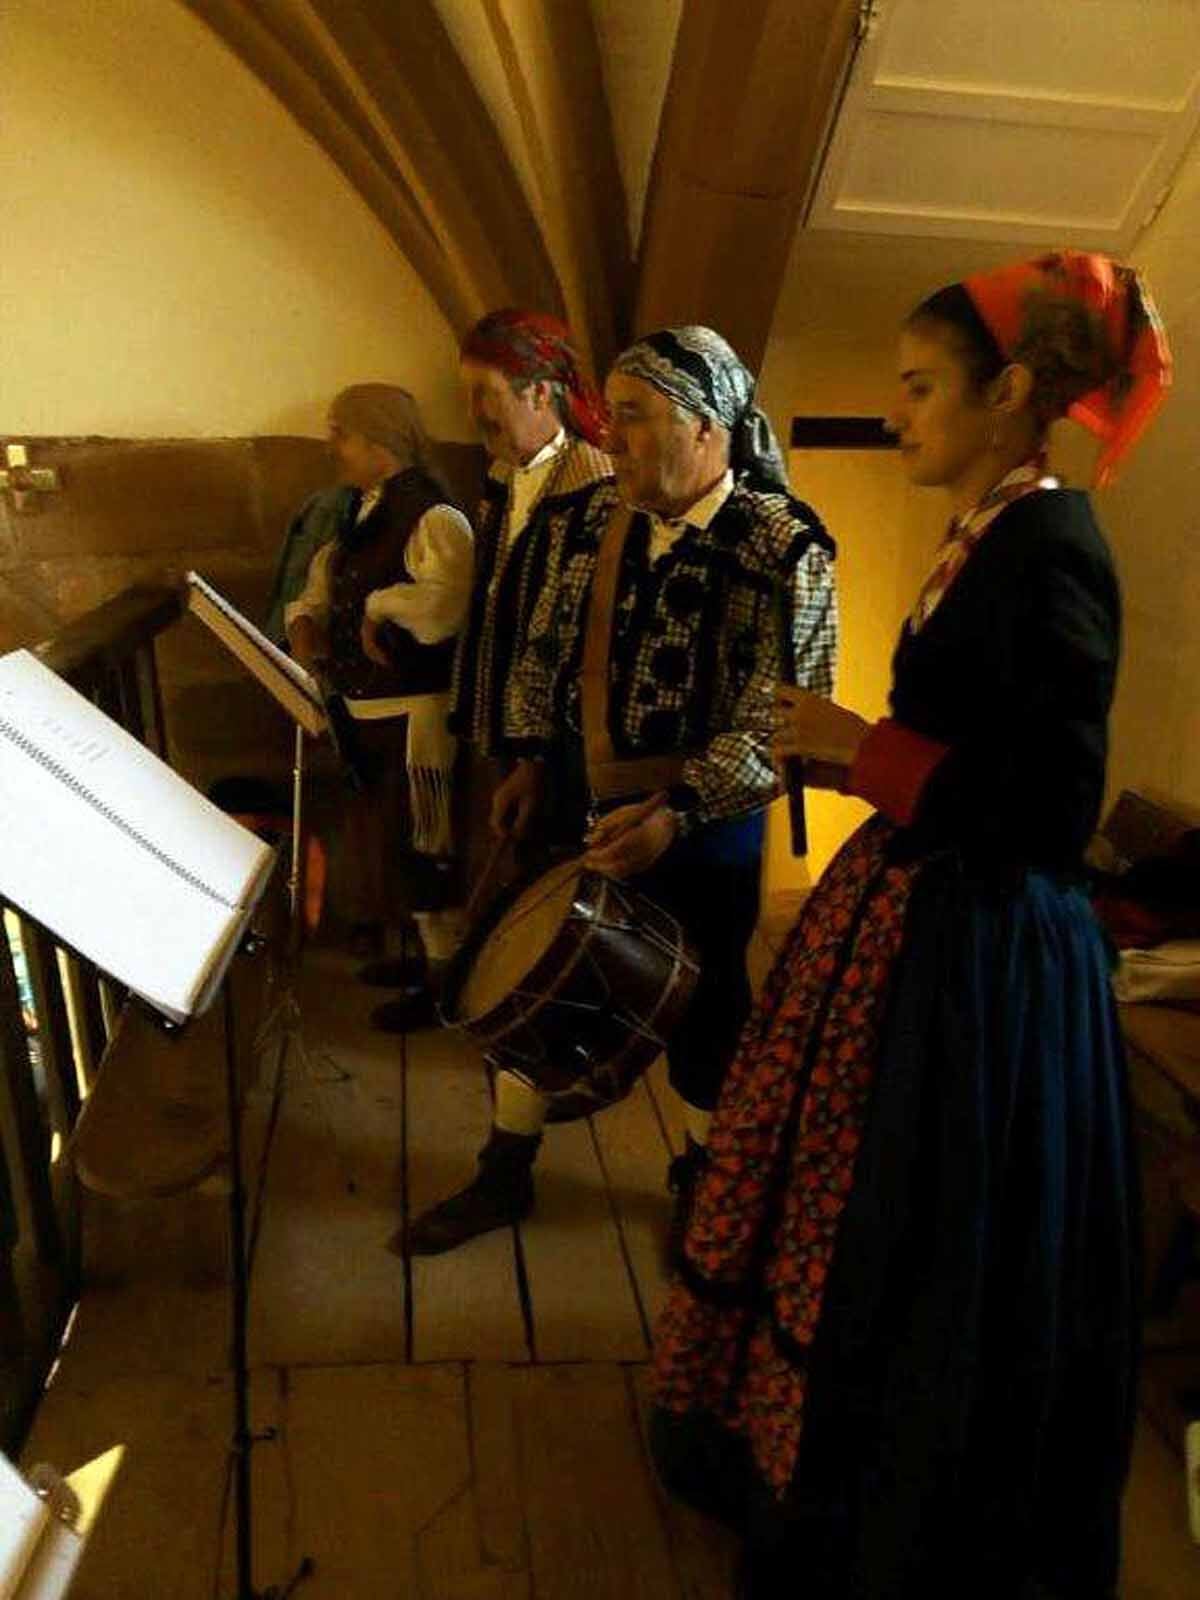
945	166
1045	121
1122	50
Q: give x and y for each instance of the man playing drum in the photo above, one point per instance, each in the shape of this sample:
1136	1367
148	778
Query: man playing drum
646	687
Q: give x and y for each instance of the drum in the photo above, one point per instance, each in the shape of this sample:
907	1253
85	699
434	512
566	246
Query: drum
574	982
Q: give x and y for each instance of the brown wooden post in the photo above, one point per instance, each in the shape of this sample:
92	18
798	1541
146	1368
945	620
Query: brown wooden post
26	1134
61	1078
54	1028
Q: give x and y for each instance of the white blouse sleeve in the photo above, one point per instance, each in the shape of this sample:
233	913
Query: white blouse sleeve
313	599
440	560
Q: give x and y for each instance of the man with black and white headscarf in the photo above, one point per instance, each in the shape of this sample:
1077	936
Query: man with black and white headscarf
706	551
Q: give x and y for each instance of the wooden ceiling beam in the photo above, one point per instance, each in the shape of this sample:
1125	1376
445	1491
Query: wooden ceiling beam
402	66
550	54
383	91
751	92
314	98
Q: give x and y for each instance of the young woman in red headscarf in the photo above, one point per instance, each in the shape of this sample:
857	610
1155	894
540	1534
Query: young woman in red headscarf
900	1354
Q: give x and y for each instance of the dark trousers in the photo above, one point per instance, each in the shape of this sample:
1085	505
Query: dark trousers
710	882
716	902
383	878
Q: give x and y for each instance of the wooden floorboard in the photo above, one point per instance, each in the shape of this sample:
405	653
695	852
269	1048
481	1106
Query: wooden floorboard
466	1304
157	1534
326	1287
594	1527
704	1553
448	1467
1159	1561
378	1458
634	1155
275	1535
583	1302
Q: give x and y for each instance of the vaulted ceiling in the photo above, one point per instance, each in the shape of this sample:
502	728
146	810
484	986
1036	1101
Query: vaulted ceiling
628	163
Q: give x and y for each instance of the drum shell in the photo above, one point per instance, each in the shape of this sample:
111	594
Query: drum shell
599	1004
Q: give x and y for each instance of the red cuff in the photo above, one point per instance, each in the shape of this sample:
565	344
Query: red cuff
892	767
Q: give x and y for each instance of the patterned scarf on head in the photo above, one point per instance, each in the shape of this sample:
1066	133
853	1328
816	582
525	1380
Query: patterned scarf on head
532	346
700	371
1116	356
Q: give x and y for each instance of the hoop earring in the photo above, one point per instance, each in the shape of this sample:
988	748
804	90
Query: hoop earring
995	442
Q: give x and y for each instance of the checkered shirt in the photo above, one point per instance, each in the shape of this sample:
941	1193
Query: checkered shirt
697	649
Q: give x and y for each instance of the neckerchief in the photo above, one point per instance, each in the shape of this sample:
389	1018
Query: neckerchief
965	532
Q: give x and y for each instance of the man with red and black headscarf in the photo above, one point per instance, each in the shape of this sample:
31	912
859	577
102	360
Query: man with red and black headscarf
543	423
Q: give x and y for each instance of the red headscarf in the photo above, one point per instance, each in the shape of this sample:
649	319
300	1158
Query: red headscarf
533	345
1132	359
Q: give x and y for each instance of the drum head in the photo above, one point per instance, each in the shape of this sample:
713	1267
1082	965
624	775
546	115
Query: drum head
519	941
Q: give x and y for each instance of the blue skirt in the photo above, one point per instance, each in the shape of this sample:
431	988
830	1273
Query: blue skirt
970	1386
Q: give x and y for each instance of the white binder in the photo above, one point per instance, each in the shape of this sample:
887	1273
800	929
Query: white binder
45	1521
112	851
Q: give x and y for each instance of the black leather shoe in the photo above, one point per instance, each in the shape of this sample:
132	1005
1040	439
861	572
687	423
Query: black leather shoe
413	1011
500	1194
367	940
407	972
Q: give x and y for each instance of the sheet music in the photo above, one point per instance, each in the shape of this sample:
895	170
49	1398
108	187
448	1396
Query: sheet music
113	851
286	664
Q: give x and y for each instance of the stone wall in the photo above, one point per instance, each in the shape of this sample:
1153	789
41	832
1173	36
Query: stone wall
145	511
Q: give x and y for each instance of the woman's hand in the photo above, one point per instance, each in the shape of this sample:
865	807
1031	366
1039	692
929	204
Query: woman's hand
631	839
810	728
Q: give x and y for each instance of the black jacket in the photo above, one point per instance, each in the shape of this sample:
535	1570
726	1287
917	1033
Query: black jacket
1015	670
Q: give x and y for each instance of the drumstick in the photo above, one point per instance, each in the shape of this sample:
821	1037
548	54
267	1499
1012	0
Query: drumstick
793	766
485	877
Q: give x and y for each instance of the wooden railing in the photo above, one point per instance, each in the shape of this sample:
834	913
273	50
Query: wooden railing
56	1016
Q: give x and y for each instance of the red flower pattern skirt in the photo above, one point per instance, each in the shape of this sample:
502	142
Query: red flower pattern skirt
734	1337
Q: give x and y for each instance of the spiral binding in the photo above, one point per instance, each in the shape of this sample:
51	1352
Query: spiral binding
36	753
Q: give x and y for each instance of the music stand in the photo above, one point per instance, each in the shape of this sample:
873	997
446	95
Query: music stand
313	712
243	1439
316	712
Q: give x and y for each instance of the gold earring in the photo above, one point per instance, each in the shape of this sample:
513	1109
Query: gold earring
995	443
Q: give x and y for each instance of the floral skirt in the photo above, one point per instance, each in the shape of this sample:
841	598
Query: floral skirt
909	1288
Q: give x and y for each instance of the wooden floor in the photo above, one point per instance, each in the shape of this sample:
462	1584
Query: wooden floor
467	1428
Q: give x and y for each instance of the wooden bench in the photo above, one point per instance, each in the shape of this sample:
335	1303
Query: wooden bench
151	1143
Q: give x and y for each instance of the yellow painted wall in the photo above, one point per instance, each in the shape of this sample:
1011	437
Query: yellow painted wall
179	258
1152	517
885	532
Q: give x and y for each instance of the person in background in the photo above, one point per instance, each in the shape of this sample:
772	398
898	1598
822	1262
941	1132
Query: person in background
314	524
543	424
899	1356
379	615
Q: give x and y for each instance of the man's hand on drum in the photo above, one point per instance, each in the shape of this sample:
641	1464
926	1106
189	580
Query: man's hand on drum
631	839
517	801
814	730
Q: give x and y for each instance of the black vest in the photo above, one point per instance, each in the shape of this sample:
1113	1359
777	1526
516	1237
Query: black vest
370	556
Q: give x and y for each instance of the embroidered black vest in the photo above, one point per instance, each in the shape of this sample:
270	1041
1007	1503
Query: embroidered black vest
370	556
